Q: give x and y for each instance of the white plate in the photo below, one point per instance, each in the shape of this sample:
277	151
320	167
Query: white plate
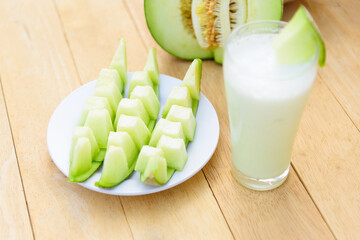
67	115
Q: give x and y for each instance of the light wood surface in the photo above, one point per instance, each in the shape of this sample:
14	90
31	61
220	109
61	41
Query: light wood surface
49	48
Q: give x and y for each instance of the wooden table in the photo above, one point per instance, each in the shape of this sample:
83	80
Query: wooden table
49	48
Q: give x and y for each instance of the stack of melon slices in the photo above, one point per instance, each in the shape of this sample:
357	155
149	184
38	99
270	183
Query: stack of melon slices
113	130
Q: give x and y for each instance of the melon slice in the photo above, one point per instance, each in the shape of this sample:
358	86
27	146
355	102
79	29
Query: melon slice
111	92
145	154
168	128
148	97
87	133
119	61
174	151
82	167
192	79
110	75
151	67
94	102
132	107
115	168
140	78
123	140
186	117
99	122
178	96
136	128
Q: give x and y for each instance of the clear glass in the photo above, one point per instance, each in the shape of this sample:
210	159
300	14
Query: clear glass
265	103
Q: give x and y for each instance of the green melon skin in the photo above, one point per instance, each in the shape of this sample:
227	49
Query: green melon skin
299	40
136	128
111	92
140	78
99	122
186	117
192	79
178	96
81	165
168	128
174	151
132	107
119	61
115	168
123	140
166	25
94	102
110	75
264	10
148	97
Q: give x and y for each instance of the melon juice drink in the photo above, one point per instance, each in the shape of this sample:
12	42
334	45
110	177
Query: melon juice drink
265	101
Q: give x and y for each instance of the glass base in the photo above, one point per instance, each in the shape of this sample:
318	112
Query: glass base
260	184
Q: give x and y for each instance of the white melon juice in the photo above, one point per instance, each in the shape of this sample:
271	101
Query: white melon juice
265	101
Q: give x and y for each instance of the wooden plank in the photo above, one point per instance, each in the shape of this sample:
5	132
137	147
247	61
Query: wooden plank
37	72
184	212
14	217
287	212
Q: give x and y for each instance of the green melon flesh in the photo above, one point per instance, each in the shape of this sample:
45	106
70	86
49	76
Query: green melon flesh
178	96
186	117
115	168
264	10
99	122
119	61
299	40
146	153
132	107
151	67
94	102
87	133
192	79
165	21
140	78
112	94
124	141
148	97
81	166
136	128
110	75
174	151
168	128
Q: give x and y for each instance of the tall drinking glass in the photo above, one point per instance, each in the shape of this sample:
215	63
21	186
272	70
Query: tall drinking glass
265	101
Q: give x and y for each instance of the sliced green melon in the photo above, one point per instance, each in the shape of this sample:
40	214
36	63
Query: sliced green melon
148	97
87	133
136	128
168	128
119	61
151	67
99	122
264	10
186	117
123	140
145	154
178	96
115	168
170	25
140	78
94	102
174	151
112	94
192	79
110	75
299	41
132	107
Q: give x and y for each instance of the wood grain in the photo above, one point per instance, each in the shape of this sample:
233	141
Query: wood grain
37	72
185	212
14	218
287	212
